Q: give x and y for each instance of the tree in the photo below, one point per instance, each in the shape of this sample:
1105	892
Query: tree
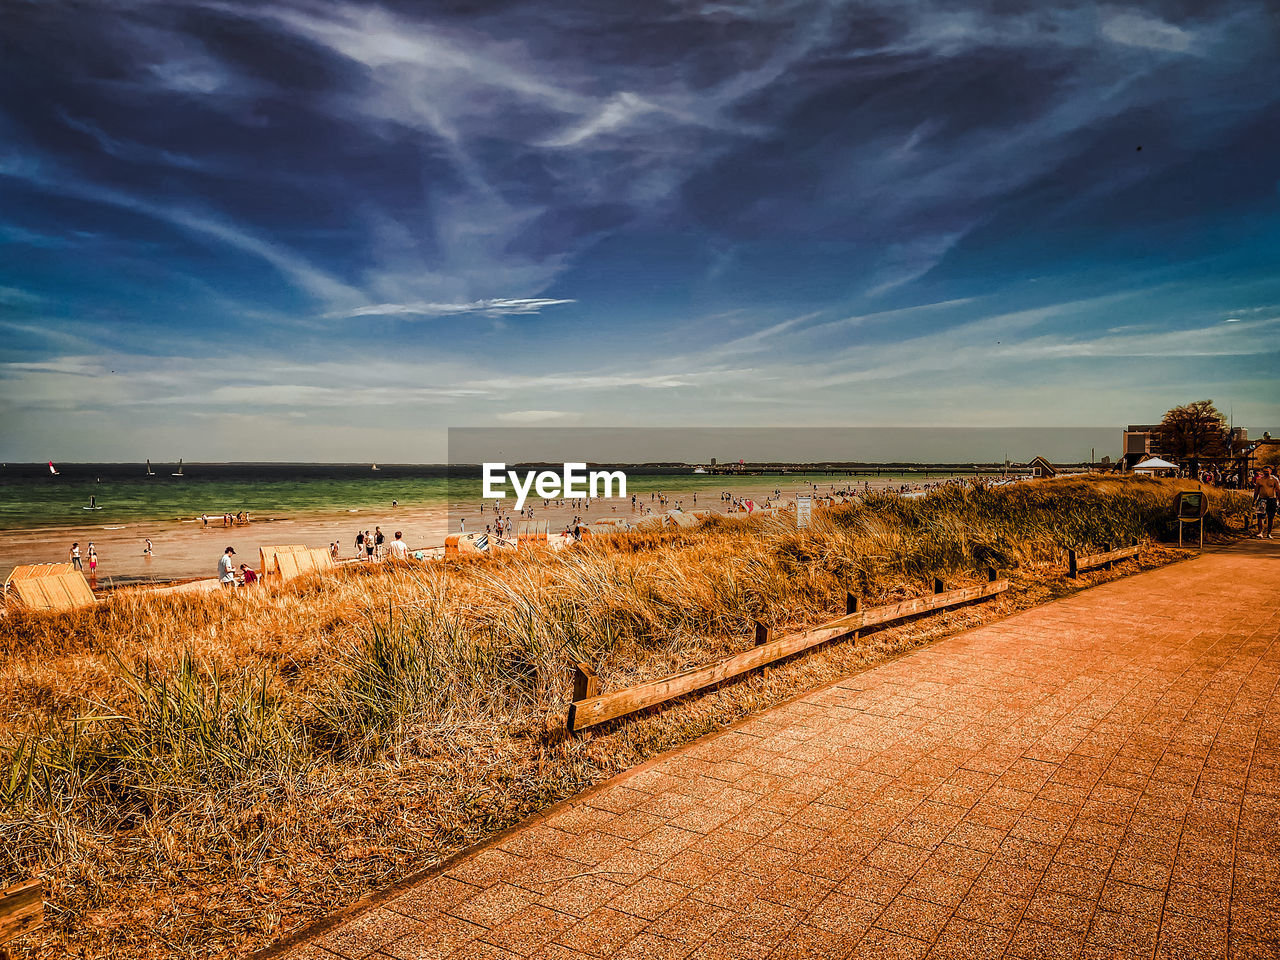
1195	430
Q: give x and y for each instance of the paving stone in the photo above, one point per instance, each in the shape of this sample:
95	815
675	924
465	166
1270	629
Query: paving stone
1097	777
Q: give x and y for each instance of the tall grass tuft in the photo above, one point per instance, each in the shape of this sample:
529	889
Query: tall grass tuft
182	732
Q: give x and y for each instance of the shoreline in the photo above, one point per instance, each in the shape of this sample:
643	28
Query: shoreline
184	549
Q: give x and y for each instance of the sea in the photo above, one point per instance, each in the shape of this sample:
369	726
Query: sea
31	497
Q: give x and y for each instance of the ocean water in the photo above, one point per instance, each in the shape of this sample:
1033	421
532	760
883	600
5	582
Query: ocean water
30	497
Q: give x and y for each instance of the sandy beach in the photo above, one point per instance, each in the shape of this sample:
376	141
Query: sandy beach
188	548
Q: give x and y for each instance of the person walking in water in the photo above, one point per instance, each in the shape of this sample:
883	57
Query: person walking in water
75	556
93	559
227	569
146	550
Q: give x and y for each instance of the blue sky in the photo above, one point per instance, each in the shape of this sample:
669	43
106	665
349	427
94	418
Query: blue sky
328	231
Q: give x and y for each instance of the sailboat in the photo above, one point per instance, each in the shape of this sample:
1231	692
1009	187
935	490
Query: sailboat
179	472
376	467
52	469
150	472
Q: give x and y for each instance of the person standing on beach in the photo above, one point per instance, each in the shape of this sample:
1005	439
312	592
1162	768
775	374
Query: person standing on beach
378	540
1267	492
75	555
146	550
359	544
227	569
398	551
93	559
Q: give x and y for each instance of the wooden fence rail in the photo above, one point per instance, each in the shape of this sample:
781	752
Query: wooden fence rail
590	706
21	909
1077	562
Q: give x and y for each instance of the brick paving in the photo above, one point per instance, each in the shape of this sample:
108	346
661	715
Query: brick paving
1098	777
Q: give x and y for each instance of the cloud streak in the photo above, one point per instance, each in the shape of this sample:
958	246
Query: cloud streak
672	210
500	307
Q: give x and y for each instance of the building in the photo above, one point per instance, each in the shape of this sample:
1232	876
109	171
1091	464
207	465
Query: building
1140	441
1040	467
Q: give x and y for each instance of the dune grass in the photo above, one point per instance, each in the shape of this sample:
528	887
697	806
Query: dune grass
194	776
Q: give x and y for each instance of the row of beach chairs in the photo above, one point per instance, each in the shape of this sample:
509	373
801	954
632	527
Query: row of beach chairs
60	586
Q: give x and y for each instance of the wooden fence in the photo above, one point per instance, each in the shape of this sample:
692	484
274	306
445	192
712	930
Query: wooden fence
21	910
590	706
1077	562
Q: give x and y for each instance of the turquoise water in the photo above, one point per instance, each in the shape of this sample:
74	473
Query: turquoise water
31	497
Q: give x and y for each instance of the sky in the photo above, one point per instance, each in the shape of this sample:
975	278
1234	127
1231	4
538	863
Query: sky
286	230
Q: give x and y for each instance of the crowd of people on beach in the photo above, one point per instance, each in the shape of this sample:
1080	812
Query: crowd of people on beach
372	546
228	519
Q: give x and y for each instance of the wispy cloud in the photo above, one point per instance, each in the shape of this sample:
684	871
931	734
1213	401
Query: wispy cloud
539	416
499	307
753	205
1137	29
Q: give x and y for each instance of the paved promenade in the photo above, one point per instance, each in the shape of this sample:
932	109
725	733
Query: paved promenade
1098	777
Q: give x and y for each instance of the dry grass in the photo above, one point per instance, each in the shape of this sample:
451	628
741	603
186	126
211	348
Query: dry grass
197	776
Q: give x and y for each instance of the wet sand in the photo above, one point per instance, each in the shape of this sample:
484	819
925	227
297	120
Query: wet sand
187	548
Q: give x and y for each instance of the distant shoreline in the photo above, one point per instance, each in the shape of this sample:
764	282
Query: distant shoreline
184	548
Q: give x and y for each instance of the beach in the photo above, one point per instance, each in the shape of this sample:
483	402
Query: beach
185	547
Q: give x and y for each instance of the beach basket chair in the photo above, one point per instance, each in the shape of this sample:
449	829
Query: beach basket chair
599	529
458	545
49	586
268	565
618	523
294	560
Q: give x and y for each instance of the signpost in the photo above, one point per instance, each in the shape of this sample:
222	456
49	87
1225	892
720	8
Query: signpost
804	511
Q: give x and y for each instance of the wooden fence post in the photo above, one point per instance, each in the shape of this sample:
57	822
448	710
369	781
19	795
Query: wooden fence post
937	585
992	575
1072	570
21	910
762	634
585	682
850	604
